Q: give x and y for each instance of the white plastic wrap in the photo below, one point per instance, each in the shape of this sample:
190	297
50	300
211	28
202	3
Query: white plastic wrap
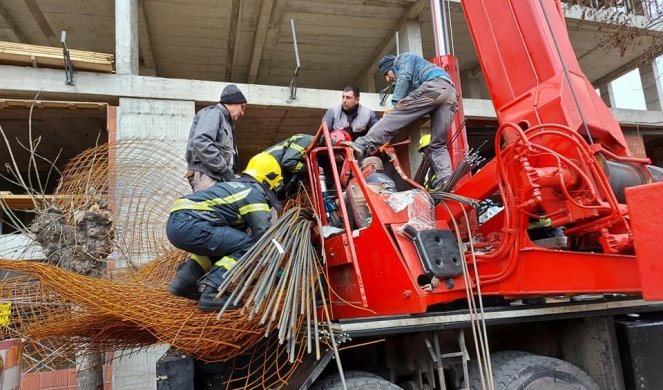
420	208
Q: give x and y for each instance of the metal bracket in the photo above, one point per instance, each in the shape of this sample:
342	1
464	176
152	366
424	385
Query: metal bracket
386	91
295	75
68	65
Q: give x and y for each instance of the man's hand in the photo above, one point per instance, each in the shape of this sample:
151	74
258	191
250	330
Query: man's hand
388	110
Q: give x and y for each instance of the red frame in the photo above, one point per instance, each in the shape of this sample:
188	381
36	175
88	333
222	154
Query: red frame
546	108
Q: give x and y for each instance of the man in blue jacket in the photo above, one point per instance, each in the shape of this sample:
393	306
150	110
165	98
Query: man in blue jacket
421	88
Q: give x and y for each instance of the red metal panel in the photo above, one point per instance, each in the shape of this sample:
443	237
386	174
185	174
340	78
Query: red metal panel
523	48
646	212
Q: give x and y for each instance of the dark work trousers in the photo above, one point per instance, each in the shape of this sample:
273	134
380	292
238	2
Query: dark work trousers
194	234
436	97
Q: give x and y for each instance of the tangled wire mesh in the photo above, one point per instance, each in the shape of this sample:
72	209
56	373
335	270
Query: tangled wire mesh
126	304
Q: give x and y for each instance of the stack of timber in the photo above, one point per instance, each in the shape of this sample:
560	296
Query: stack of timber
52	57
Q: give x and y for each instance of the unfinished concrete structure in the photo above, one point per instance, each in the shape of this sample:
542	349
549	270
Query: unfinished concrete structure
174	57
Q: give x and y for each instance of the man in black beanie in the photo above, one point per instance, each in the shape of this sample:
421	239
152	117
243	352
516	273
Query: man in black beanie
422	88
211	151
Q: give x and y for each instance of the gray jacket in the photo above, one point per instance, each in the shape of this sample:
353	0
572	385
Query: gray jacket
358	122
211	148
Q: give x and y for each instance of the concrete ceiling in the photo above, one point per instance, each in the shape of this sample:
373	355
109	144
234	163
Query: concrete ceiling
251	41
62	131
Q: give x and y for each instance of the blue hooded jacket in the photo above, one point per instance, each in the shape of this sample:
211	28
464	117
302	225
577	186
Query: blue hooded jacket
411	71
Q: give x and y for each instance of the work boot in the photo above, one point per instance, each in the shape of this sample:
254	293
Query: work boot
185	283
208	301
357	150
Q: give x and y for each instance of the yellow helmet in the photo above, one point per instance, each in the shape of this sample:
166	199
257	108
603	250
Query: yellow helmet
264	168
423	142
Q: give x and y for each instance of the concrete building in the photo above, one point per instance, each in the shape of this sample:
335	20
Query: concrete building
173	57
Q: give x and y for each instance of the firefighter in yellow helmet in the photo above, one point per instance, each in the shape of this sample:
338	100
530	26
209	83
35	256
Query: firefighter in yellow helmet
429	179
212	225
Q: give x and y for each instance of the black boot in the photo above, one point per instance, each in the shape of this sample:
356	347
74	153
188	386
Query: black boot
185	283
208	301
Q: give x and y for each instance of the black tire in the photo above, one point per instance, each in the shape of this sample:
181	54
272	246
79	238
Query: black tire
355	380
524	371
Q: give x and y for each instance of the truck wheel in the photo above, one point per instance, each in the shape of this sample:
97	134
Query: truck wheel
355	380
523	371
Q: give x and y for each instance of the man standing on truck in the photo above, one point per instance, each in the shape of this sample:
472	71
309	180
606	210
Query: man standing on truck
212	225
211	151
291	156
350	115
421	88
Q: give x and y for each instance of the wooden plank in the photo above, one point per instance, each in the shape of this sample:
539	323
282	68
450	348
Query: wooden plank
52	57
26	104
22	202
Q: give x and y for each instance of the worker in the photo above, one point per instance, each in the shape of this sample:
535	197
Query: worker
429	178
351	116
421	88
378	176
212	225
211	151
291	156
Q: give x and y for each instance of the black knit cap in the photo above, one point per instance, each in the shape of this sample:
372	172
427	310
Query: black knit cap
232	95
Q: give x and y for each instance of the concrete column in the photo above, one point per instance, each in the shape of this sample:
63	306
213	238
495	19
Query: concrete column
607	94
370	82
126	37
651	86
409	37
473	85
150	170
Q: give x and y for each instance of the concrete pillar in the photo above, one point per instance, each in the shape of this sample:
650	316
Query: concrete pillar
150	170
409	40
409	37
607	94
126	37
473	85
370	82
651	86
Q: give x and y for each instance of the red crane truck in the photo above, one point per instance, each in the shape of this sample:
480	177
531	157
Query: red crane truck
556	290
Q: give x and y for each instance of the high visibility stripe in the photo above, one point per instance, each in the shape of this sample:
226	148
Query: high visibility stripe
228	199
250	208
204	262
298	167
188	204
298	148
274	148
226	262
206	205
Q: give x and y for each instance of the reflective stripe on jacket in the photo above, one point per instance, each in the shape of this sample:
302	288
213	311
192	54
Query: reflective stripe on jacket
239	204
290	153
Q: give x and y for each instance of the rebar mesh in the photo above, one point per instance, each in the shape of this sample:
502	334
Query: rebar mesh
60	312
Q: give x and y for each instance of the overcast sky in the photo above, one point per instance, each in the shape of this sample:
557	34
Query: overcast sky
628	89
